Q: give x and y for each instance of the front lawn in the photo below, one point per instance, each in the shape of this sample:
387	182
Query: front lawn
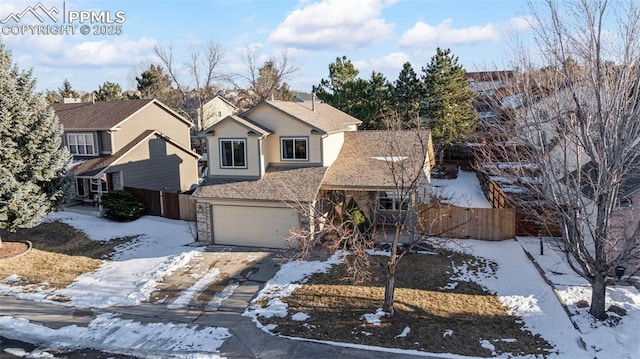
437	309
59	255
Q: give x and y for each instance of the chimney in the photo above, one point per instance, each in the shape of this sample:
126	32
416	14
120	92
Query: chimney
313	98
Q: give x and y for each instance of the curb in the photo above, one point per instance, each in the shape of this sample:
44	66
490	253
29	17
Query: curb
555	292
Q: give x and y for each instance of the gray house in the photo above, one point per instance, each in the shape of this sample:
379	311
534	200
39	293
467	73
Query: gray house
127	143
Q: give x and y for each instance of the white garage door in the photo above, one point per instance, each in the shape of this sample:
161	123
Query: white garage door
252	226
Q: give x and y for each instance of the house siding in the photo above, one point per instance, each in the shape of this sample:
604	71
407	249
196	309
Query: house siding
211	110
158	165
232	130
331	146
152	117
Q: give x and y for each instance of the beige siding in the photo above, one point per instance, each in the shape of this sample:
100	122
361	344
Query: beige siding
284	126
215	110
152	117
331	146
232	130
269	224
158	165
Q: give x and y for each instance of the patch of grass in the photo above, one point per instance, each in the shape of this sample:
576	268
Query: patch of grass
59	255
440	321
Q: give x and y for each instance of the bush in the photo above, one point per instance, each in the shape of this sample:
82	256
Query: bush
122	206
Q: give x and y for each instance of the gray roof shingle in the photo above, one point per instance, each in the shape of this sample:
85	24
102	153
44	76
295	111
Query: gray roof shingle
101	115
367	158
325	118
277	184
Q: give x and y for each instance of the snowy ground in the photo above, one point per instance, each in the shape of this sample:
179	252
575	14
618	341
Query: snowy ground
137	269
518	285
126	280
463	191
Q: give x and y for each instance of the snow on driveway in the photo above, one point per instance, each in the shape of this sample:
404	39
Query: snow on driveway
133	273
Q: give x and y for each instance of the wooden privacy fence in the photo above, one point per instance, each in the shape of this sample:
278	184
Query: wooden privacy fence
491	224
166	204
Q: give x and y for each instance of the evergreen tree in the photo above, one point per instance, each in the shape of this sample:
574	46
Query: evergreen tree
342	85
33	162
108	91
153	83
408	94
449	102
67	91
378	103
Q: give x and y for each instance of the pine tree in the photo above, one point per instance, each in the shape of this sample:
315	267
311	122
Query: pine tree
33	162
408	94
108	91
67	91
449	102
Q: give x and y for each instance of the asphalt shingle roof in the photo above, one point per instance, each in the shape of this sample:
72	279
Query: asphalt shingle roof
277	184
325	117
366	159
99	115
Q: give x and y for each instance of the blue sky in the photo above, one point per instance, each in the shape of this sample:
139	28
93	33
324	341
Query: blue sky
376	35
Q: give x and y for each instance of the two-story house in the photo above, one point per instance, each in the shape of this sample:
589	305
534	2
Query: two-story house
127	143
271	162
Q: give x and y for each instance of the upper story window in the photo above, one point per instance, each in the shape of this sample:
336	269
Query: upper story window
295	148
81	144
233	153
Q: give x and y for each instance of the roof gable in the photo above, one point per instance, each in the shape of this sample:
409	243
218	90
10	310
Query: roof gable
321	117
252	126
105	115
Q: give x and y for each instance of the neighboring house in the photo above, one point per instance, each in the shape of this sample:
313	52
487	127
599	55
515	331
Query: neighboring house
215	110
127	143
269	165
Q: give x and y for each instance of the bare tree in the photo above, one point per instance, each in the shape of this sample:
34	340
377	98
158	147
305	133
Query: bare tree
359	219
202	64
575	140
262	82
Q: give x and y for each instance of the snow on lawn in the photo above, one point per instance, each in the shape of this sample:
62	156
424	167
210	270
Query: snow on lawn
110	333
283	284
516	282
619	341
136	269
464	191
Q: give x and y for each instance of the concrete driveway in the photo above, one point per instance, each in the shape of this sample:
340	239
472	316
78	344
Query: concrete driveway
244	270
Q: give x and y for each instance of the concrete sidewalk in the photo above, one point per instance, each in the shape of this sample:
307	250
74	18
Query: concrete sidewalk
247	341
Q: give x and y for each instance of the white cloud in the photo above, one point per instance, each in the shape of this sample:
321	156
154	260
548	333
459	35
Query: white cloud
393	61
423	34
333	24
102	53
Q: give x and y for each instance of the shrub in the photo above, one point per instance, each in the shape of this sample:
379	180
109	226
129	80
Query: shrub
122	206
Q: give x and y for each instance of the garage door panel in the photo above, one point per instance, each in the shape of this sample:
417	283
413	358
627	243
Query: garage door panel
252	226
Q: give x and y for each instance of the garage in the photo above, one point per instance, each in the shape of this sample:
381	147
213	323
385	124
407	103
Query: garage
252	226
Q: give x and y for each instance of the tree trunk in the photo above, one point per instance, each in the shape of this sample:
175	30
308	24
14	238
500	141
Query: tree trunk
390	287
598	288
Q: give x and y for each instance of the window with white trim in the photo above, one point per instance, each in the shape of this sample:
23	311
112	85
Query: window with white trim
233	153
391	201
81	144
295	148
99	184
